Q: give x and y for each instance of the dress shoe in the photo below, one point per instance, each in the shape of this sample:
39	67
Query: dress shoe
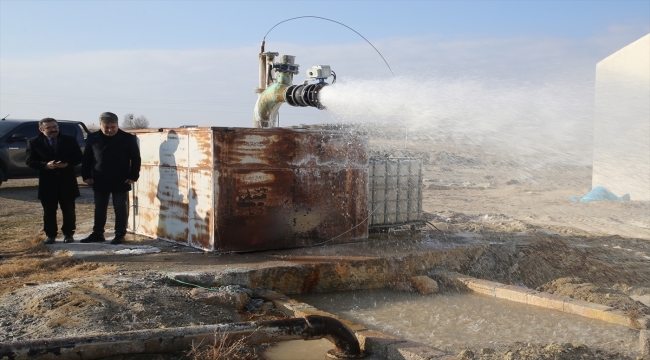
68	239
49	240
93	238
118	239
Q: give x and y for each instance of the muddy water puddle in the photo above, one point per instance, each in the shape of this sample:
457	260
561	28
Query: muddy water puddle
299	350
453	321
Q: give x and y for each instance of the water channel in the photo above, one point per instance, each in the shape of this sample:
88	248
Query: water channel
455	321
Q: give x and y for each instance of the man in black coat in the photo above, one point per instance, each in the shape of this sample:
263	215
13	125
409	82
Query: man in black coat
111	163
55	155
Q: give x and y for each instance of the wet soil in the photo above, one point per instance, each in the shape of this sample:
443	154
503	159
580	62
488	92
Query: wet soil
520	351
606	271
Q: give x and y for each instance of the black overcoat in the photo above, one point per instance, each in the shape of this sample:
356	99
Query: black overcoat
110	161
51	182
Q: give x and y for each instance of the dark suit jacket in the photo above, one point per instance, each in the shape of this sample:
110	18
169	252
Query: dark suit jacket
109	161
51	182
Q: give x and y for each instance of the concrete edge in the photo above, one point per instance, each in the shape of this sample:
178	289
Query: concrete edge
374	272
549	301
372	342
644	342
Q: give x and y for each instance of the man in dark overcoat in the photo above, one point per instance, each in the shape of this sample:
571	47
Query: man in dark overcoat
55	155
111	163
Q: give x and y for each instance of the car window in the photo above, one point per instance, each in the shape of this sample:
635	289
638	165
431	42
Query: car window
68	129
5	127
28	130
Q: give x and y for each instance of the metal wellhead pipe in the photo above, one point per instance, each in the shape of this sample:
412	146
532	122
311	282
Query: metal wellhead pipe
275	87
158	341
270	97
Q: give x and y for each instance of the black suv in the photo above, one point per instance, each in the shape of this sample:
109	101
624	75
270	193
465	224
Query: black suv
13	144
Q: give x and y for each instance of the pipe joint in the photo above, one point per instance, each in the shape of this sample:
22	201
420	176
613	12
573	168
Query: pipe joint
304	95
291	68
344	340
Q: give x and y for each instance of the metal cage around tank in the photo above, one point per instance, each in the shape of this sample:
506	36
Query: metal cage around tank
395	191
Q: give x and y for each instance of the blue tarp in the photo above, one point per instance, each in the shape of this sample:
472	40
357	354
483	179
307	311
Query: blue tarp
599	193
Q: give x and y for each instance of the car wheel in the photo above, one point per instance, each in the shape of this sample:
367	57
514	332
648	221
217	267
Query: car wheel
2	176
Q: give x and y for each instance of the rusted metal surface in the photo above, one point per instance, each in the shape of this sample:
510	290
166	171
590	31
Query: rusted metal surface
395	196
283	188
156	341
173	199
243	189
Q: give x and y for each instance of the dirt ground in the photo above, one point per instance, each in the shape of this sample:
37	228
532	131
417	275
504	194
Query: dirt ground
537	237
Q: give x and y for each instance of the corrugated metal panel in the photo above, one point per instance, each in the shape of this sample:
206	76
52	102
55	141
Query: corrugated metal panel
395	191
236	189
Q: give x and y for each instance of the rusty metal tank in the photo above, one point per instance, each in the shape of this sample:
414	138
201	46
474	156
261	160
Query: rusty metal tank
245	189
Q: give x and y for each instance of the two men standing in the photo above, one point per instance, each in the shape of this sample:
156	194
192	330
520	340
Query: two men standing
110	163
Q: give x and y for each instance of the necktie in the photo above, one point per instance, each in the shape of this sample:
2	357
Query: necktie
54	144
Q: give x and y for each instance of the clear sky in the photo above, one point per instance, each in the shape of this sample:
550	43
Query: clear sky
194	62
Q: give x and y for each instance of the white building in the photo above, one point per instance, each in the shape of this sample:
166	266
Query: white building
622	122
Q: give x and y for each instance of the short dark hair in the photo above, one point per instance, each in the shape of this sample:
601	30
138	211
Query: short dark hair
107	118
45	120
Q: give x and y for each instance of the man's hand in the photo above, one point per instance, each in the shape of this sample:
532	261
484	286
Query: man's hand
89	181
56	165
129	181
